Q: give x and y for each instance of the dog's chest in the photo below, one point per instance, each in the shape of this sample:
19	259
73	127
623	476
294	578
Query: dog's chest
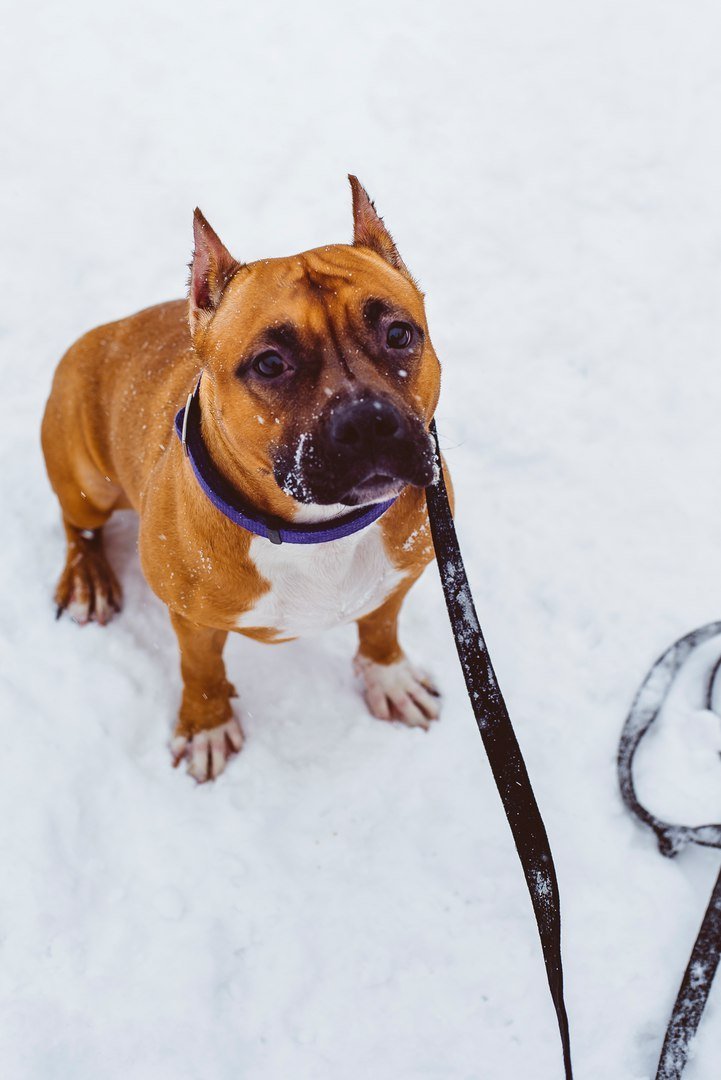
317	586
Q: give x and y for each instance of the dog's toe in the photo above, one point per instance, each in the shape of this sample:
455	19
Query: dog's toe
78	608
398	692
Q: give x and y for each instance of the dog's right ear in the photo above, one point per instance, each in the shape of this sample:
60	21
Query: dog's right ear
210	271
369	229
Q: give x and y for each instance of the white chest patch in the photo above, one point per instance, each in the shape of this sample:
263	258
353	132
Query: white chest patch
317	586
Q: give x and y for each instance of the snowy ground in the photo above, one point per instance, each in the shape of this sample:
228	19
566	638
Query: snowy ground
346	903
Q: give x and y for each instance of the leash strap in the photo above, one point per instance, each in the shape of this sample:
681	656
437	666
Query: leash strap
501	745
698	978
693	992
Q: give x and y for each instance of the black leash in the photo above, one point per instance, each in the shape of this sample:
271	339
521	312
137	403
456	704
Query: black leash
499	740
701	969
694	991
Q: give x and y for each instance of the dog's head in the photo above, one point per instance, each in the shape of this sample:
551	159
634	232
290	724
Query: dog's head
321	372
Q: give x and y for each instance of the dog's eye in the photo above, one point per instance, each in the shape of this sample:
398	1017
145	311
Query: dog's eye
269	365
399	336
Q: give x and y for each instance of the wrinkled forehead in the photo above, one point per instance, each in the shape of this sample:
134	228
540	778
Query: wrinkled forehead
328	284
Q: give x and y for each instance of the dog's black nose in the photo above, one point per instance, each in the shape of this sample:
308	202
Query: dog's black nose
364	421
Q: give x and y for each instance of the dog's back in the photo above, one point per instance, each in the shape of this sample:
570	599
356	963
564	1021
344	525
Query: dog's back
111	407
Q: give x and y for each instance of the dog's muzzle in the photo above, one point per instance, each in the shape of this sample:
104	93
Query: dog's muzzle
362	449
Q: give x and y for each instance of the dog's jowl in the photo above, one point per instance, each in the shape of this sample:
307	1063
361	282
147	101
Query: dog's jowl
293	500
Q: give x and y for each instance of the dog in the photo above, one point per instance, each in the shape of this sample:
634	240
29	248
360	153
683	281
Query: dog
286	495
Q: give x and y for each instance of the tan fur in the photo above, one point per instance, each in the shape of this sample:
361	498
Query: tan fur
109	443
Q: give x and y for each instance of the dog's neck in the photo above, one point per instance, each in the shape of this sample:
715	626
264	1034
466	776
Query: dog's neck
253	480
254	485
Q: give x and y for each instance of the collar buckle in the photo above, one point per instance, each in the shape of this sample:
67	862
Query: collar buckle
184	432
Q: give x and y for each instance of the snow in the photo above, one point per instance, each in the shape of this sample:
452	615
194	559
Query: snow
346	900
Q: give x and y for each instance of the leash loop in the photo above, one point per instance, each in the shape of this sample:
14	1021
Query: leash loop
501	745
672	839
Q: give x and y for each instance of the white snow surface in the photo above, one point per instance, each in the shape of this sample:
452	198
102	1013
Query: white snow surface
346	901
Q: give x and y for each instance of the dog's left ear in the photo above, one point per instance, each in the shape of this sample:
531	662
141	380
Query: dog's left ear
369	230
210	271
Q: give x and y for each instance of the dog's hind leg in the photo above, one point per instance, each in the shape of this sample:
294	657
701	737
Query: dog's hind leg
394	689
87	588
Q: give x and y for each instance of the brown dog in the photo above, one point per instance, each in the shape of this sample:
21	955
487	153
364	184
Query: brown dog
318	383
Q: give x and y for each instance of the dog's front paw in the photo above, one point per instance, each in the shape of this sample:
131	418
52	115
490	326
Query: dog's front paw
398	692
209	751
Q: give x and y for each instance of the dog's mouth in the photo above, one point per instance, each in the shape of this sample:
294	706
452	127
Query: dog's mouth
375	488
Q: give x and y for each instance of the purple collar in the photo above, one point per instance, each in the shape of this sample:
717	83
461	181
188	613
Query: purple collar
230	502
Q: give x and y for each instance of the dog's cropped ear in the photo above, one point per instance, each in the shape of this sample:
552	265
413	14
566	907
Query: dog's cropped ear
210	271
369	230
